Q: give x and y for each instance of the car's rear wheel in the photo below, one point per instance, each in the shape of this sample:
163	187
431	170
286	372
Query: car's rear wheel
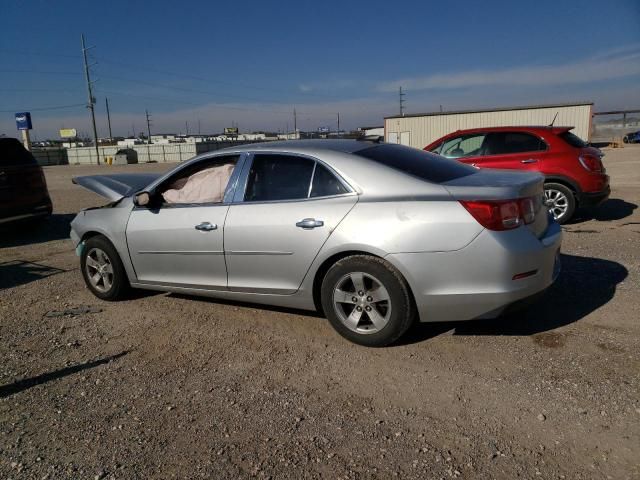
367	300
560	200
102	269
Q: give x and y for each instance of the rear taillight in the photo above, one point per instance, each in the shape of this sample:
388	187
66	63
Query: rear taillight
590	162
502	214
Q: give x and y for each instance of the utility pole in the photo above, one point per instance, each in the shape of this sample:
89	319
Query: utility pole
402	102
90	96
186	123
106	101
199	127
295	124
338	123
146	112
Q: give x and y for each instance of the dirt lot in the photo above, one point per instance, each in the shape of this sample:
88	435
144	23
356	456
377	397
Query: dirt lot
168	386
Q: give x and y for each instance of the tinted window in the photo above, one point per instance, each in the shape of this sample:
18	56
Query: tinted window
418	163
325	183
463	146
512	142
278	177
573	140
13	153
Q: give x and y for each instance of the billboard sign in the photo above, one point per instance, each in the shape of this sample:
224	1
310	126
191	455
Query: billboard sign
68	133
23	121
323	129
231	130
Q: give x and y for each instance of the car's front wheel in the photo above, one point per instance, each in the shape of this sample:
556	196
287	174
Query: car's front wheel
560	201
102	269
367	300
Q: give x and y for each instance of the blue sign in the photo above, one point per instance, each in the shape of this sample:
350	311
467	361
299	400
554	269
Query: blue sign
323	129
23	121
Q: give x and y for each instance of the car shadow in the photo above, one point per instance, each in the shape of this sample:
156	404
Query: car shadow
19	272
584	285
612	209
18	234
25	384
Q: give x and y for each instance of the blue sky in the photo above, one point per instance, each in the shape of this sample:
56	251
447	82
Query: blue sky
251	63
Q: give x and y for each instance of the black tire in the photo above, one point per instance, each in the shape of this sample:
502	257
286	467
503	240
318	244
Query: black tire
375	270
568	208
119	283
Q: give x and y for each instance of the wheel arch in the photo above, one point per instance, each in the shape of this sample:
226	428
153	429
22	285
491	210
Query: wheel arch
566	181
332	259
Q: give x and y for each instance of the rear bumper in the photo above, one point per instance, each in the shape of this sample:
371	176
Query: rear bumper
593	199
477	282
43	210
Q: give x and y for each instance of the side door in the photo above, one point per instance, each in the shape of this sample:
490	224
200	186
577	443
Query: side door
178	239
466	148
288	209
513	150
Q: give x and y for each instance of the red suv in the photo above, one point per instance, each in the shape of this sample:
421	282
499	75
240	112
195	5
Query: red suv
574	174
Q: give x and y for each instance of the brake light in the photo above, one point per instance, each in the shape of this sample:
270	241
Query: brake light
501	214
590	162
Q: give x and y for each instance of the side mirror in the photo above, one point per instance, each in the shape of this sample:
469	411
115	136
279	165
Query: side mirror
142	199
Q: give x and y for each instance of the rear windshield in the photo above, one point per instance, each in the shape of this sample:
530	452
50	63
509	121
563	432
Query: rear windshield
421	164
13	153
573	140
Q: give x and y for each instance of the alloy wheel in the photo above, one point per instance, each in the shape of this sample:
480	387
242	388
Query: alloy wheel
362	302
557	203
99	269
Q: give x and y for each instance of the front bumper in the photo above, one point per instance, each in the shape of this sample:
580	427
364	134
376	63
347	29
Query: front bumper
477	282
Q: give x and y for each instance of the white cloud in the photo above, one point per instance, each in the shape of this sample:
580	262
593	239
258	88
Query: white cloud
614	64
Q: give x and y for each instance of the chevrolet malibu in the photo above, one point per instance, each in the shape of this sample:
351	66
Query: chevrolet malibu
375	236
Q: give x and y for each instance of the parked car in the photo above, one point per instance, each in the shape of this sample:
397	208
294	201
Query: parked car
374	235
23	188
574	174
632	137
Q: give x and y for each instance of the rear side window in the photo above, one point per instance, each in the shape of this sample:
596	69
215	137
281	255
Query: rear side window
278	177
325	183
502	143
13	153
573	140
417	163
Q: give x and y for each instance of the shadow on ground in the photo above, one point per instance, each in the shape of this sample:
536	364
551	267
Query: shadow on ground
584	285
56	227
19	272
21	385
612	209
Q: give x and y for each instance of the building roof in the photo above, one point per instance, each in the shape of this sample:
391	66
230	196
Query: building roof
503	109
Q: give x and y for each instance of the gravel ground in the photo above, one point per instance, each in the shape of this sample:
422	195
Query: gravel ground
170	386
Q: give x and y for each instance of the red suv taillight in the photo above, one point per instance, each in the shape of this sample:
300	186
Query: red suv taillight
501	214
591	163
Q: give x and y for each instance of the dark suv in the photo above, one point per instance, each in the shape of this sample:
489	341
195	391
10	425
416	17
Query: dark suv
23	189
573	170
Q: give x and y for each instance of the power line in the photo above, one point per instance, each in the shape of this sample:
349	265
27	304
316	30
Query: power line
40	109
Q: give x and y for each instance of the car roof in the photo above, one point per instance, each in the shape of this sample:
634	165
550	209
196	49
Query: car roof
519	128
342	145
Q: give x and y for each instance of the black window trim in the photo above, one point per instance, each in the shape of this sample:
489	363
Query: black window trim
243	180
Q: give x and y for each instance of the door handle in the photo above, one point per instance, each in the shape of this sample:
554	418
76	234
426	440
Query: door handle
206	227
529	160
309	223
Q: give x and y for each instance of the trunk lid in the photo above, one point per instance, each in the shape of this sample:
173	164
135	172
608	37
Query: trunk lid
114	187
494	184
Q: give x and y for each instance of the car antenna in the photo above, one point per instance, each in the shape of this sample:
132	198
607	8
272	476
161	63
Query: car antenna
554	119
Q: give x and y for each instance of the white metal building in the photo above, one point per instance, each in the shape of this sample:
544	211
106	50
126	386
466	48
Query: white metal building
419	130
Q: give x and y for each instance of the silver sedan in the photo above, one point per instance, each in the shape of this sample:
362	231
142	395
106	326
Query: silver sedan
375	236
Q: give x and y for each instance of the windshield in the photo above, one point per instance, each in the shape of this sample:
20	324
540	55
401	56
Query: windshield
418	163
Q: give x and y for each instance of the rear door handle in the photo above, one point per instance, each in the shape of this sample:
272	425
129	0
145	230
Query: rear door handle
529	160
309	223
206	226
